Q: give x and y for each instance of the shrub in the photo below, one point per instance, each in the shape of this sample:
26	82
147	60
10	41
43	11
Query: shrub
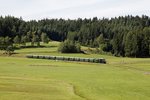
69	47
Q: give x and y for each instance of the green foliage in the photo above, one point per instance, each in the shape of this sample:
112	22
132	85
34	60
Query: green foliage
9	50
7	41
137	44
44	38
6	45
131	48
100	40
107	47
72	36
2	43
69	47
149	49
108	34
117	43
36	40
17	40
24	40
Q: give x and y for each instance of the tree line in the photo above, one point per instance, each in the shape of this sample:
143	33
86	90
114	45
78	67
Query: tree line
123	36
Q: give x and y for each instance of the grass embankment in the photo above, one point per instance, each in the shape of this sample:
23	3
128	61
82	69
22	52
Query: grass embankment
35	79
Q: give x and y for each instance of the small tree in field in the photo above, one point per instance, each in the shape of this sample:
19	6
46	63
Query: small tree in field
69	47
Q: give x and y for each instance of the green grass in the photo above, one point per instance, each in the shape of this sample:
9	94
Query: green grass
34	79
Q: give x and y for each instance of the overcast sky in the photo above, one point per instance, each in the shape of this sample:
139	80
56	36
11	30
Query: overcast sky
38	9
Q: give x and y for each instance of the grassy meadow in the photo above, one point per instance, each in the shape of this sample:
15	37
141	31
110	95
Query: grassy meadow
22	78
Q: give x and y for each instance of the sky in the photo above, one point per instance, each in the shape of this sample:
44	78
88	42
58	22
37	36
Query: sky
73	9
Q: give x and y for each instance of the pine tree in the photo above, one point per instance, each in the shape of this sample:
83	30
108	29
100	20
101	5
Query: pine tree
36	39
44	38
131	47
17	40
2	43
24	40
100	40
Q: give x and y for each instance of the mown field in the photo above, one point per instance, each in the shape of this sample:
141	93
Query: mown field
35	79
